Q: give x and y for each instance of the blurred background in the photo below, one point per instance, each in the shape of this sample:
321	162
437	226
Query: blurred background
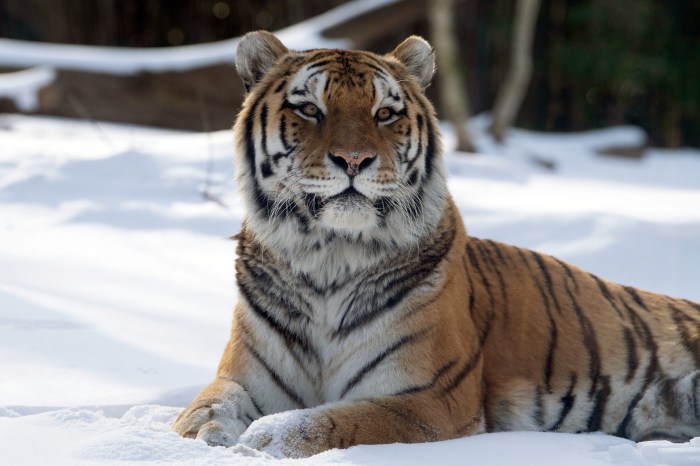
593	63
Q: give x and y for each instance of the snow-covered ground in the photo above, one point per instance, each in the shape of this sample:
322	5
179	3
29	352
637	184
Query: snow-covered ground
116	280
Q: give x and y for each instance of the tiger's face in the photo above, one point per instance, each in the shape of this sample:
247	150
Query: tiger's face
339	143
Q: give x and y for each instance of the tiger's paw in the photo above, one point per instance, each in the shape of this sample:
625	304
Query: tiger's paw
290	434
217	424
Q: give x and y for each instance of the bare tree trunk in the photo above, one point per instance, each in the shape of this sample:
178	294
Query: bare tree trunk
512	92
453	95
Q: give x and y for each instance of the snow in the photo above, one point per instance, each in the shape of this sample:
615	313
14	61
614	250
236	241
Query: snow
117	280
23	86
141	436
125	61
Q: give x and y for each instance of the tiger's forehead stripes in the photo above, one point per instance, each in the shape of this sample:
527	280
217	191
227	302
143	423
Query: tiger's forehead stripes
325	71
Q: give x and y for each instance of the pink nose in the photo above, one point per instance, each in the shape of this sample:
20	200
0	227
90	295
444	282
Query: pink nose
352	161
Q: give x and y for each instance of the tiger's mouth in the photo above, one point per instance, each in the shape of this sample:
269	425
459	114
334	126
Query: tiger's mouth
350	194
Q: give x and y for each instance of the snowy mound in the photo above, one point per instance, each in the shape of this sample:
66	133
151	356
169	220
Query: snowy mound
142	436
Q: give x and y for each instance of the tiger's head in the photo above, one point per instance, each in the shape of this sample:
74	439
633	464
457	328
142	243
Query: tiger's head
338	145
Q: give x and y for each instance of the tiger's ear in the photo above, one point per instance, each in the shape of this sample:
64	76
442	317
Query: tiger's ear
257	52
416	54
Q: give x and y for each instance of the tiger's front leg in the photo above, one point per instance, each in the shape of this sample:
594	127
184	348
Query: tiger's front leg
403	418
219	414
225	408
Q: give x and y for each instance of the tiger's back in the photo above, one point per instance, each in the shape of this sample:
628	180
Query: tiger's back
365	306
583	354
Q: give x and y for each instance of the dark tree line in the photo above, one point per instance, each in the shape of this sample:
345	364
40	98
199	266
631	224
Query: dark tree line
596	62
149	23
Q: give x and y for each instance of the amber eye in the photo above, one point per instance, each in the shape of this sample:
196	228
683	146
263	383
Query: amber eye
384	113
309	110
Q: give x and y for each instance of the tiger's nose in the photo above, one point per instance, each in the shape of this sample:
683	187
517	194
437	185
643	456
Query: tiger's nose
353	162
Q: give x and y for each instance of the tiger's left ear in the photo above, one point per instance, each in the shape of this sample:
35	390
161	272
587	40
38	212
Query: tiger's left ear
257	52
416	54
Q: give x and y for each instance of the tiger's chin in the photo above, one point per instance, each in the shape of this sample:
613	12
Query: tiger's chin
352	214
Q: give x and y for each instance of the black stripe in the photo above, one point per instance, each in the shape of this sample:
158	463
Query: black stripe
250	136
419	388
419	147
624	424
403	156
590	343
430	144
486	253
287	335
632	360
652	369
635	296
317	54
283	132
601	400
484	280
308	78
382	74
547	278
263	129
255	404
497	248
367	368
567	403
466	369
407	94
690	341
568	272
606	294
279	88
553	330
276	377
319	63
429	149
471	285
410	421
695	390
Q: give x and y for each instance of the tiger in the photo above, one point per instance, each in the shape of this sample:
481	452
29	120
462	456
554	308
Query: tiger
367	315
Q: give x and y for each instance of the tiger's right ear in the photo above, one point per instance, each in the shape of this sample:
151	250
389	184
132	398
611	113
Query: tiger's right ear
257	52
416	54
